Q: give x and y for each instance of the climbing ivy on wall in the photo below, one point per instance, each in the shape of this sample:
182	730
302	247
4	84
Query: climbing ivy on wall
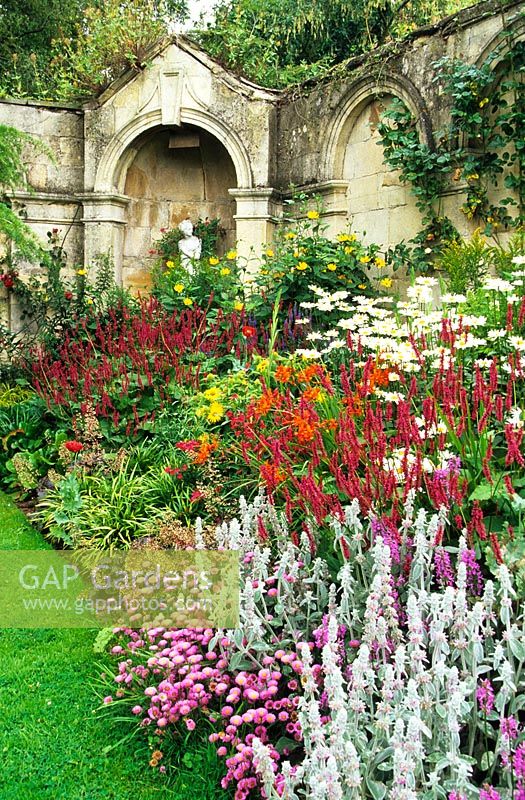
426	171
483	147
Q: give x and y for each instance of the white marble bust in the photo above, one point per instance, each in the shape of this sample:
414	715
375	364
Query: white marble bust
190	246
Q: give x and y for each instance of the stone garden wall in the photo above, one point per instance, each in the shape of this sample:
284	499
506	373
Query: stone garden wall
328	136
56	177
186	138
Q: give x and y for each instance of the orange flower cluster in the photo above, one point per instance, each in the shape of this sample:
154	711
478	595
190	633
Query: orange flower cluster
267	401
206	448
378	377
272	475
309	372
305	425
283	373
329	424
354	404
312	394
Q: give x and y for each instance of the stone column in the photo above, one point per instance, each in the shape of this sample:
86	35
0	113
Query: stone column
255	219
104	222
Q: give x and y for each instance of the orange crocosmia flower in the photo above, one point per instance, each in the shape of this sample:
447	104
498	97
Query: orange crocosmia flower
312	394
271	474
283	373
266	402
206	448
329	424
305	425
305	432
379	377
353	403
306	374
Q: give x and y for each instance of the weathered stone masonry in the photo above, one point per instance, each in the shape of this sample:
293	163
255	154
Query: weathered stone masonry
187	138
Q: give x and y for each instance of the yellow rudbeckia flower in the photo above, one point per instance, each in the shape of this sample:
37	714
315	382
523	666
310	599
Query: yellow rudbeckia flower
188	301
179	287
313	215
302	265
213	260
215	412
262	365
225	271
231	255
213	393
331	267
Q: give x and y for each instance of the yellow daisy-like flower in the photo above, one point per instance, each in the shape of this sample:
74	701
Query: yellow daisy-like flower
179	287
290	235
231	255
296	254
213	261
225	271
349	250
170	264
262	365
302	265
365	259
386	282
346	237
270	253
331	267
380	262
313	215
213	393
215	412
188	301
81	271
362	286
238	306
89	301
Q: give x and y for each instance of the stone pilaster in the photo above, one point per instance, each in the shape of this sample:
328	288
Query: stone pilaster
104	222
257	214
334	197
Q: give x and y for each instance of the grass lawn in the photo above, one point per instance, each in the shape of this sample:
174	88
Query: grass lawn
52	746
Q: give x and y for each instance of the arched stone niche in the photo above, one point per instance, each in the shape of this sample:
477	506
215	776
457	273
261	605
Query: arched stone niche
175	173
222	169
378	206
